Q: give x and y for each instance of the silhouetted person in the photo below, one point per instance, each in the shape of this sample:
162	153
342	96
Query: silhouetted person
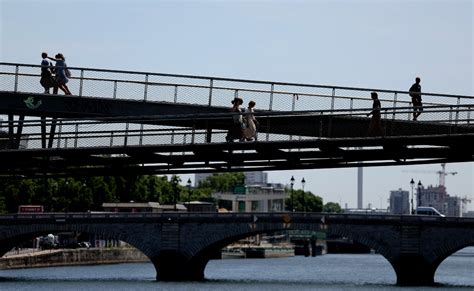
236	130
375	125
61	77
47	80
415	93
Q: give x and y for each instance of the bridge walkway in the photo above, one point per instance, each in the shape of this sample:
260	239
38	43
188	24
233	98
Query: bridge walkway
169	118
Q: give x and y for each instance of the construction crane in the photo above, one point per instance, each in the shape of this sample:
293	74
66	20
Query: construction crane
442	174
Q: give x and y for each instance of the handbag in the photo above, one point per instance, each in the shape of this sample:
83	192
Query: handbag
66	71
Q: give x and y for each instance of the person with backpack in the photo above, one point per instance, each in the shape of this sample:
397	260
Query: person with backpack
62	73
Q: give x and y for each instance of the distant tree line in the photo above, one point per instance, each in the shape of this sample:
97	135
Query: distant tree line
79	194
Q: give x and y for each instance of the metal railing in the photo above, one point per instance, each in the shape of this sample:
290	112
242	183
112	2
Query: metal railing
214	91
277	100
193	129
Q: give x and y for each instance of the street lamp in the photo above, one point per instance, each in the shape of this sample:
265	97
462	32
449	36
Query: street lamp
292	182
304	202
419	192
412	184
189	192
174	183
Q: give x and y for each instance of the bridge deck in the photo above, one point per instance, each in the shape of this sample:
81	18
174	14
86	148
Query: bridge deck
179	125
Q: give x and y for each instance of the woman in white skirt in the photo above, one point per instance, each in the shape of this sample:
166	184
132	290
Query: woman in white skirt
250	130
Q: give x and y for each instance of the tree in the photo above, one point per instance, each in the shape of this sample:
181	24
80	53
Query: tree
332	207
312	202
224	182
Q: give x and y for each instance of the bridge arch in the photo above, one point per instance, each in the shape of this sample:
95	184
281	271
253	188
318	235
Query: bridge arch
180	245
30	232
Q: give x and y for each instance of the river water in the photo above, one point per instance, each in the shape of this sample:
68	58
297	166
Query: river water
328	272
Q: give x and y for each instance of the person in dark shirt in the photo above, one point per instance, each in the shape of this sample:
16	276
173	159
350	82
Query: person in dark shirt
236	129
415	93
47	79
375	126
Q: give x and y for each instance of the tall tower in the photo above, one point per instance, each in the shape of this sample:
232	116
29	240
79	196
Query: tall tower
360	176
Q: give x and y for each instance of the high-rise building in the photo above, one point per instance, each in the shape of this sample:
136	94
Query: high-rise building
399	202
438	197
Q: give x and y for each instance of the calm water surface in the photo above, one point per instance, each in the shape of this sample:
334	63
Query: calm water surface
328	272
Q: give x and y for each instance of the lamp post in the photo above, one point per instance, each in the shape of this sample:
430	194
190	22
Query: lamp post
412	184
174	182
419	193
303	182
292	182
189	192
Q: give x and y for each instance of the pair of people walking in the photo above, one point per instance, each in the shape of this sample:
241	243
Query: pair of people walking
375	125
56	76
244	127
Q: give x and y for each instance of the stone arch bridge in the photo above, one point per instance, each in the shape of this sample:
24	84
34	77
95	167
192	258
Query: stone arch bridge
180	245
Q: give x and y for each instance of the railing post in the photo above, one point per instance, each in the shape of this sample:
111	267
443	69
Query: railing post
76	135
111	139
81	83
59	133
211	85
175	93
457	110
272	87
351	103
16	78
115	90
145	93
333	97
468	115
140	140
395	97
125	141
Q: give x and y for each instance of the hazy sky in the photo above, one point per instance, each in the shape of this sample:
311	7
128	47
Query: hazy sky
371	44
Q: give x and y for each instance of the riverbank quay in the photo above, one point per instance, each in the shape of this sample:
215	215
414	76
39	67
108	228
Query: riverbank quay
72	257
98	256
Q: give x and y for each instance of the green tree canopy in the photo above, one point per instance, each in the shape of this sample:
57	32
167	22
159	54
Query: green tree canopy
332	207
304	201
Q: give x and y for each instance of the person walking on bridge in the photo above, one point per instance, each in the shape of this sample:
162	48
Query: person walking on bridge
415	93
236	130
47	80
250	130
375	125
61	73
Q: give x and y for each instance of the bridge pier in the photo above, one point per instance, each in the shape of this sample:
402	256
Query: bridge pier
414	270
173	266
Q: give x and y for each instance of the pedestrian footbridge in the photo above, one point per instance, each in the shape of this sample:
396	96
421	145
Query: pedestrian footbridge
153	123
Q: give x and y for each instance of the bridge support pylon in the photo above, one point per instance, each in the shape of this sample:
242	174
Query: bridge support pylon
414	270
173	266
